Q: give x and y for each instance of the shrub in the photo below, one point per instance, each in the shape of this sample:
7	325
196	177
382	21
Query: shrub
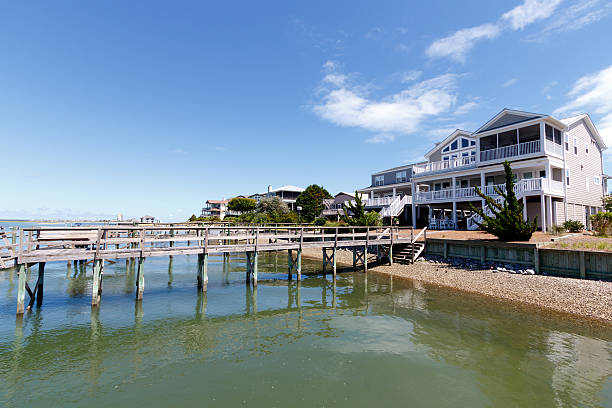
320	221
602	223
573	225
557	229
507	222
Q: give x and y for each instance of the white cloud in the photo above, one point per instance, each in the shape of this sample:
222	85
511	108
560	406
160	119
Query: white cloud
458	44
374	33
330	66
529	12
351	105
465	108
575	17
381	138
510	82
593	92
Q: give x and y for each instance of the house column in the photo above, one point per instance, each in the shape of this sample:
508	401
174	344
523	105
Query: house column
454	201
543	212
550	212
394	192
482	186
525	207
415	190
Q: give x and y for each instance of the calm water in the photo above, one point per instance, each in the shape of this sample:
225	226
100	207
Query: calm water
352	344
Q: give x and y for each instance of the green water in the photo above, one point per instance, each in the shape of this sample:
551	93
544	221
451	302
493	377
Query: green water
355	343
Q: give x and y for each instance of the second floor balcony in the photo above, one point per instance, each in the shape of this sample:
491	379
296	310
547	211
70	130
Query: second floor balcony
444	165
513	150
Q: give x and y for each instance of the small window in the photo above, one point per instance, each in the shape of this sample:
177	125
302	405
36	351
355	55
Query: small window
588	184
464	183
379	180
454	145
446	184
567	176
557	136
446	149
472	143
528	175
549	132
576	146
465	143
597	180
454	156
400	177
586	149
465	154
490	180
566	143
543	173
445	158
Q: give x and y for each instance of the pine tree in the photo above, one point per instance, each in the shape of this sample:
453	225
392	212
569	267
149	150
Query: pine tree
507	222
355	214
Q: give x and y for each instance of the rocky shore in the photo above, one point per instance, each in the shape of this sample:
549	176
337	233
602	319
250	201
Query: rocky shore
584	298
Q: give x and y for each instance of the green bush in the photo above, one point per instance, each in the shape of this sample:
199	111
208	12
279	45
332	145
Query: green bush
320	221
573	225
557	229
602	223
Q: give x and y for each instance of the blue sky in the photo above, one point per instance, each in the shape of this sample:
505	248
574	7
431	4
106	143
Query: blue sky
154	107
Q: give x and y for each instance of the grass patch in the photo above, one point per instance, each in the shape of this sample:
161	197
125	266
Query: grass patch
599	246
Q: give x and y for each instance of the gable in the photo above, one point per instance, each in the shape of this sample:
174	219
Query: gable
507	119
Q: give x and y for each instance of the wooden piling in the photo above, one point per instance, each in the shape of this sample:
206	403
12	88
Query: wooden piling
40	283
140	279
255	261
299	265
96	287
21	289
203	272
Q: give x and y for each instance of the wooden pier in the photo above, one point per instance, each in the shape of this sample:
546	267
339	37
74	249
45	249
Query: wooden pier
29	246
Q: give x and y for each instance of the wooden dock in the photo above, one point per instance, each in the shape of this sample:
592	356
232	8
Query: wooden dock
29	246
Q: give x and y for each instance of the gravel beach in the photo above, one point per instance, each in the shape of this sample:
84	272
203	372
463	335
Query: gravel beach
585	298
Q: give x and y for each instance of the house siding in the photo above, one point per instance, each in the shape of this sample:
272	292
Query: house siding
583	168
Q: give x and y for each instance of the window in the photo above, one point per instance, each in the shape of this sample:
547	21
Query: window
566	143
454	156
446	184
597	180
557	136
549	132
472	143
400	176
586	149
473	156
528	175
445	158
464	183
576	146
543	173
379	180
567	176
454	145
465	154
465	143
446	149
588	184
490	180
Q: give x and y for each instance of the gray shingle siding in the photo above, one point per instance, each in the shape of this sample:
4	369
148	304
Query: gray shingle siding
390	176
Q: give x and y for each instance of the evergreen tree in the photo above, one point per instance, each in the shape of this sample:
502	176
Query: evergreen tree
507	222
311	201
355	214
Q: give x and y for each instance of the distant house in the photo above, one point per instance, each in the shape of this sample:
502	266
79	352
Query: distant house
334	206
288	194
147	219
215	208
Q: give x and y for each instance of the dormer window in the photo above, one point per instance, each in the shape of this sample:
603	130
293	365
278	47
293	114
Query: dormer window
379	180
400	177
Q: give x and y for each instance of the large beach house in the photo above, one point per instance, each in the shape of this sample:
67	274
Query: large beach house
557	164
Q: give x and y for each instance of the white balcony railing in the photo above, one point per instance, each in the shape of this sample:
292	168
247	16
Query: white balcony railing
442	165
521	149
554	148
521	187
379	201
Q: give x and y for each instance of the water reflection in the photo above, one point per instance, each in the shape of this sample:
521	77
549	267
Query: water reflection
480	351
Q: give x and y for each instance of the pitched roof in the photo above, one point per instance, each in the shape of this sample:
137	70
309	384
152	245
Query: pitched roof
217	201
508	117
587	119
288	188
447	139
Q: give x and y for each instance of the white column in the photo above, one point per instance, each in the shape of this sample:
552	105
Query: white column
415	190
455	213
454	182
394	191
482	186
542	137
525	207
550	211
543	212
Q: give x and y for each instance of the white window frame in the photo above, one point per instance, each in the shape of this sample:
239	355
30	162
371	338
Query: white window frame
566	138
568	177
379	180
576	146
400	177
525	175
597	180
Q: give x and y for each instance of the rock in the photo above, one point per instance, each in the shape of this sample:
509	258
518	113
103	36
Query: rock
529	272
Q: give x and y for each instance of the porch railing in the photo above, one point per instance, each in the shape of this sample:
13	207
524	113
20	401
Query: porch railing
442	165
520	149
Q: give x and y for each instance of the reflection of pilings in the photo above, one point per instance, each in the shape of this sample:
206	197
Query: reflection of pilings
95	369
170	277
334	294
201	302
324	292
15	374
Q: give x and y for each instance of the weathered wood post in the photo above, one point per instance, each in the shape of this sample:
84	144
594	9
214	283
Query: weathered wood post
324	252
140	279
96	288
40	283
334	254
391	248
171	245
255	259
289	263
299	255
248	267
21	288
365	252
412	245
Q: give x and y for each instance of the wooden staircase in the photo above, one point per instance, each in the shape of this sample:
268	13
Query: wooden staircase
408	253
